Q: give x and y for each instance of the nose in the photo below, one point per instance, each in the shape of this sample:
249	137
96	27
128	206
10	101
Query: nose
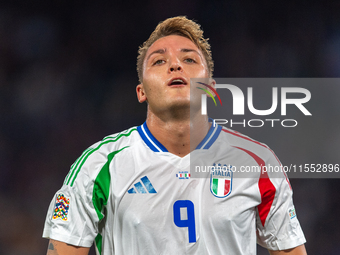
175	66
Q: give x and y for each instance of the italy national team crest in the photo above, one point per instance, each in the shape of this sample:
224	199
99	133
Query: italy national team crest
221	180
61	208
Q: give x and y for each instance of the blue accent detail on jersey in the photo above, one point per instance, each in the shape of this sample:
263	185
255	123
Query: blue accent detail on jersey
210	138
213	138
189	222
148	185
132	190
148	141
205	138
156	146
140	188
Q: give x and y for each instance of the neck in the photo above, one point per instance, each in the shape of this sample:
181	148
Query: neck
181	135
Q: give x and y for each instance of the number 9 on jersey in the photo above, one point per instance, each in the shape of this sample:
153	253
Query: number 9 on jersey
188	221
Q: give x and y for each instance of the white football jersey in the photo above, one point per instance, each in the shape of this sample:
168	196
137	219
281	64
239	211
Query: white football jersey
129	195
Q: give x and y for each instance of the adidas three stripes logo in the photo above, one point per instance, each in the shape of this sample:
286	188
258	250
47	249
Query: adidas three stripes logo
144	186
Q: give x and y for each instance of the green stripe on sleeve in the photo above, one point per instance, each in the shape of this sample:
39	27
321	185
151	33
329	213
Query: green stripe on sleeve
81	156
101	188
75	163
99	240
83	159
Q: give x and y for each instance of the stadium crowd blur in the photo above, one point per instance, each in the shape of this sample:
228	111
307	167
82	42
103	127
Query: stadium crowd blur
68	77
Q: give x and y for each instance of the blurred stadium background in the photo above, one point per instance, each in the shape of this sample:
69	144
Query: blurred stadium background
68	77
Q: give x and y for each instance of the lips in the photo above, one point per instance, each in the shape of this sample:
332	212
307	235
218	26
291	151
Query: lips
177	81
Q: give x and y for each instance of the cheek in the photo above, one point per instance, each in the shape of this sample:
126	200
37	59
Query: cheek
154	80
153	85
151	76
201	72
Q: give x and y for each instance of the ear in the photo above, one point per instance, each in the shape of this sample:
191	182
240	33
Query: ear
212	83
141	93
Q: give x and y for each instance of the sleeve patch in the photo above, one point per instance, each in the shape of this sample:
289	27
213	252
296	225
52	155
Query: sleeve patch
292	213
61	207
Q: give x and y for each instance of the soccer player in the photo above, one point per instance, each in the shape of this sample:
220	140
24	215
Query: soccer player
133	192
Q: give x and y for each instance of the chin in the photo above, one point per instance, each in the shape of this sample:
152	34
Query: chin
183	105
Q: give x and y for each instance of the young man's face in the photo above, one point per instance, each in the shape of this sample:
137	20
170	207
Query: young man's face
169	64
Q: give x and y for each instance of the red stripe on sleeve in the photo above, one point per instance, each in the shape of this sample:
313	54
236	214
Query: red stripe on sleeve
235	133
266	187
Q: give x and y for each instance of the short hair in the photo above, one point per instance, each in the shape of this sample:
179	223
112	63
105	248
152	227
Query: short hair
177	26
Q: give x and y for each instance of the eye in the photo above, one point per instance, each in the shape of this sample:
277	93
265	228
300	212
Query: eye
189	60
158	62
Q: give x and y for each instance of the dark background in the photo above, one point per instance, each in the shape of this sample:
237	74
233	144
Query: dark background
68	77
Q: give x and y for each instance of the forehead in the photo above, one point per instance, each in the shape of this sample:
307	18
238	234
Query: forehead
173	42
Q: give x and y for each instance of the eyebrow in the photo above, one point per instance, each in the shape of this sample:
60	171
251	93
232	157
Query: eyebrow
162	51
189	50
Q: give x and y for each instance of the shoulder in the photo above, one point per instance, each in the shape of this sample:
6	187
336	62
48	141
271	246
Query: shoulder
94	158
112	144
247	144
243	147
117	141
235	138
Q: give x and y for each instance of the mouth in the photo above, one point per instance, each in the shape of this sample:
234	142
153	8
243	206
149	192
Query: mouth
177	82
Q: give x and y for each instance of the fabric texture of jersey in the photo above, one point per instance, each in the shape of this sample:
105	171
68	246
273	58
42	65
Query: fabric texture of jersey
129	195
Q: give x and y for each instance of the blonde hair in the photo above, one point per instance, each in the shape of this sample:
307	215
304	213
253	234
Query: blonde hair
176	26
